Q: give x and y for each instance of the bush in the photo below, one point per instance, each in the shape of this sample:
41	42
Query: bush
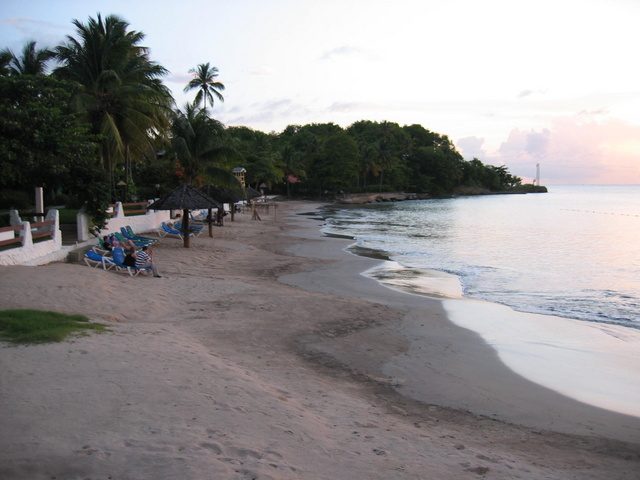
15	199
60	199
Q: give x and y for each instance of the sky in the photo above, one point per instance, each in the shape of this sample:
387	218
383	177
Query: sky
520	83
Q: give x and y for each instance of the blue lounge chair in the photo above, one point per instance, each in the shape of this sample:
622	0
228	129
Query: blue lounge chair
94	259
118	259
165	229
194	229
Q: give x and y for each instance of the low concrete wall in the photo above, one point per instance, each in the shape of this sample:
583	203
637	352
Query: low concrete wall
148	222
29	252
49	251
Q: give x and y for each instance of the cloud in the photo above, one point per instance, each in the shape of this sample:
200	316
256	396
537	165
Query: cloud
572	151
344	51
262	115
346	107
262	72
529	92
471	147
46	34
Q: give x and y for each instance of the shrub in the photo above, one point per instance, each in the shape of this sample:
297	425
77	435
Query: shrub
14	199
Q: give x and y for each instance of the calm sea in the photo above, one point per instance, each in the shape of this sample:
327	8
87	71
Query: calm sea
573	252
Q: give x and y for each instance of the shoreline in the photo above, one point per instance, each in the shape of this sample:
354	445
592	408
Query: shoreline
591	362
445	363
264	353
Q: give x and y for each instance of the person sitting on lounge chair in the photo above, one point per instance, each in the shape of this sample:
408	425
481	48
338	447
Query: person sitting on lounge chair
144	259
111	241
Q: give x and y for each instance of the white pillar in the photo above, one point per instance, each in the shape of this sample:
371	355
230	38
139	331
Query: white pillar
39	204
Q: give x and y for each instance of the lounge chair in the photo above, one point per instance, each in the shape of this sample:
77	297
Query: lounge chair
165	229
127	232
94	259
101	248
197	221
118	259
194	229
137	243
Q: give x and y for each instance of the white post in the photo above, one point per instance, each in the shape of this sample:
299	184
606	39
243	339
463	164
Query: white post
39	204
27	239
83	226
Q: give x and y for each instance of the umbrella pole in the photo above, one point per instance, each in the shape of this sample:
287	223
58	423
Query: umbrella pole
210	222
185	228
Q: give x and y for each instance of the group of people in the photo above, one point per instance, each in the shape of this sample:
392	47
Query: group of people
142	258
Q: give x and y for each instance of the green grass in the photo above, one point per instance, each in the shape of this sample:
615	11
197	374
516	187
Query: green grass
37	326
68	215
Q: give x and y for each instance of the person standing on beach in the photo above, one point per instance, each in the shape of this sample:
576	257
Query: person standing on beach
144	259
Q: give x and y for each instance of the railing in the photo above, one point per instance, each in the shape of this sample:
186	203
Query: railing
21	244
45	229
139	211
9	241
39	243
39	230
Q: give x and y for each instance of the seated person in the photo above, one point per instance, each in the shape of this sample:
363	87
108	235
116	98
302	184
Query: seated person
144	259
111	241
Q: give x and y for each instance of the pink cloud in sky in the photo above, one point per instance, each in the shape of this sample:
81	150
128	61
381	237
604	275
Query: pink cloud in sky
571	151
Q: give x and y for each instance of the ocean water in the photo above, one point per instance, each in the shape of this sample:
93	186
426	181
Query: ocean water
573	252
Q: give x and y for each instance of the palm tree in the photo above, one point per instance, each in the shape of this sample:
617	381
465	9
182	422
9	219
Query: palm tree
5	60
204	81
201	145
33	61
123	97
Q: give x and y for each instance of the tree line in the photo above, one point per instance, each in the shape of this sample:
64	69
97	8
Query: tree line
102	125
367	156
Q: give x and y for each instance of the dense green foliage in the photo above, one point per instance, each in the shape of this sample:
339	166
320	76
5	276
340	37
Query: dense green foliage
43	143
365	157
37	326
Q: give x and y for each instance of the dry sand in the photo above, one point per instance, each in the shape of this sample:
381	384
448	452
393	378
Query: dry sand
262	353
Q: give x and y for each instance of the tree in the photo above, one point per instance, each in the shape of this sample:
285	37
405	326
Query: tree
205	81
33	61
43	143
336	166
200	143
123	97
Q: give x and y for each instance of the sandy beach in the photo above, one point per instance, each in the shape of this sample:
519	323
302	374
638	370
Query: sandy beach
264	353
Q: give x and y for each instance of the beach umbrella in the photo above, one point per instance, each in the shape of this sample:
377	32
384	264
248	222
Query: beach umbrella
252	193
224	195
184	198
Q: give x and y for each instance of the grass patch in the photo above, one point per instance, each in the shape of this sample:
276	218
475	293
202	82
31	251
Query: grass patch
68	215
37	326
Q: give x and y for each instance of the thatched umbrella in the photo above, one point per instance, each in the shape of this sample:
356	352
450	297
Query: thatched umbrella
184	198
253	193
224	195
